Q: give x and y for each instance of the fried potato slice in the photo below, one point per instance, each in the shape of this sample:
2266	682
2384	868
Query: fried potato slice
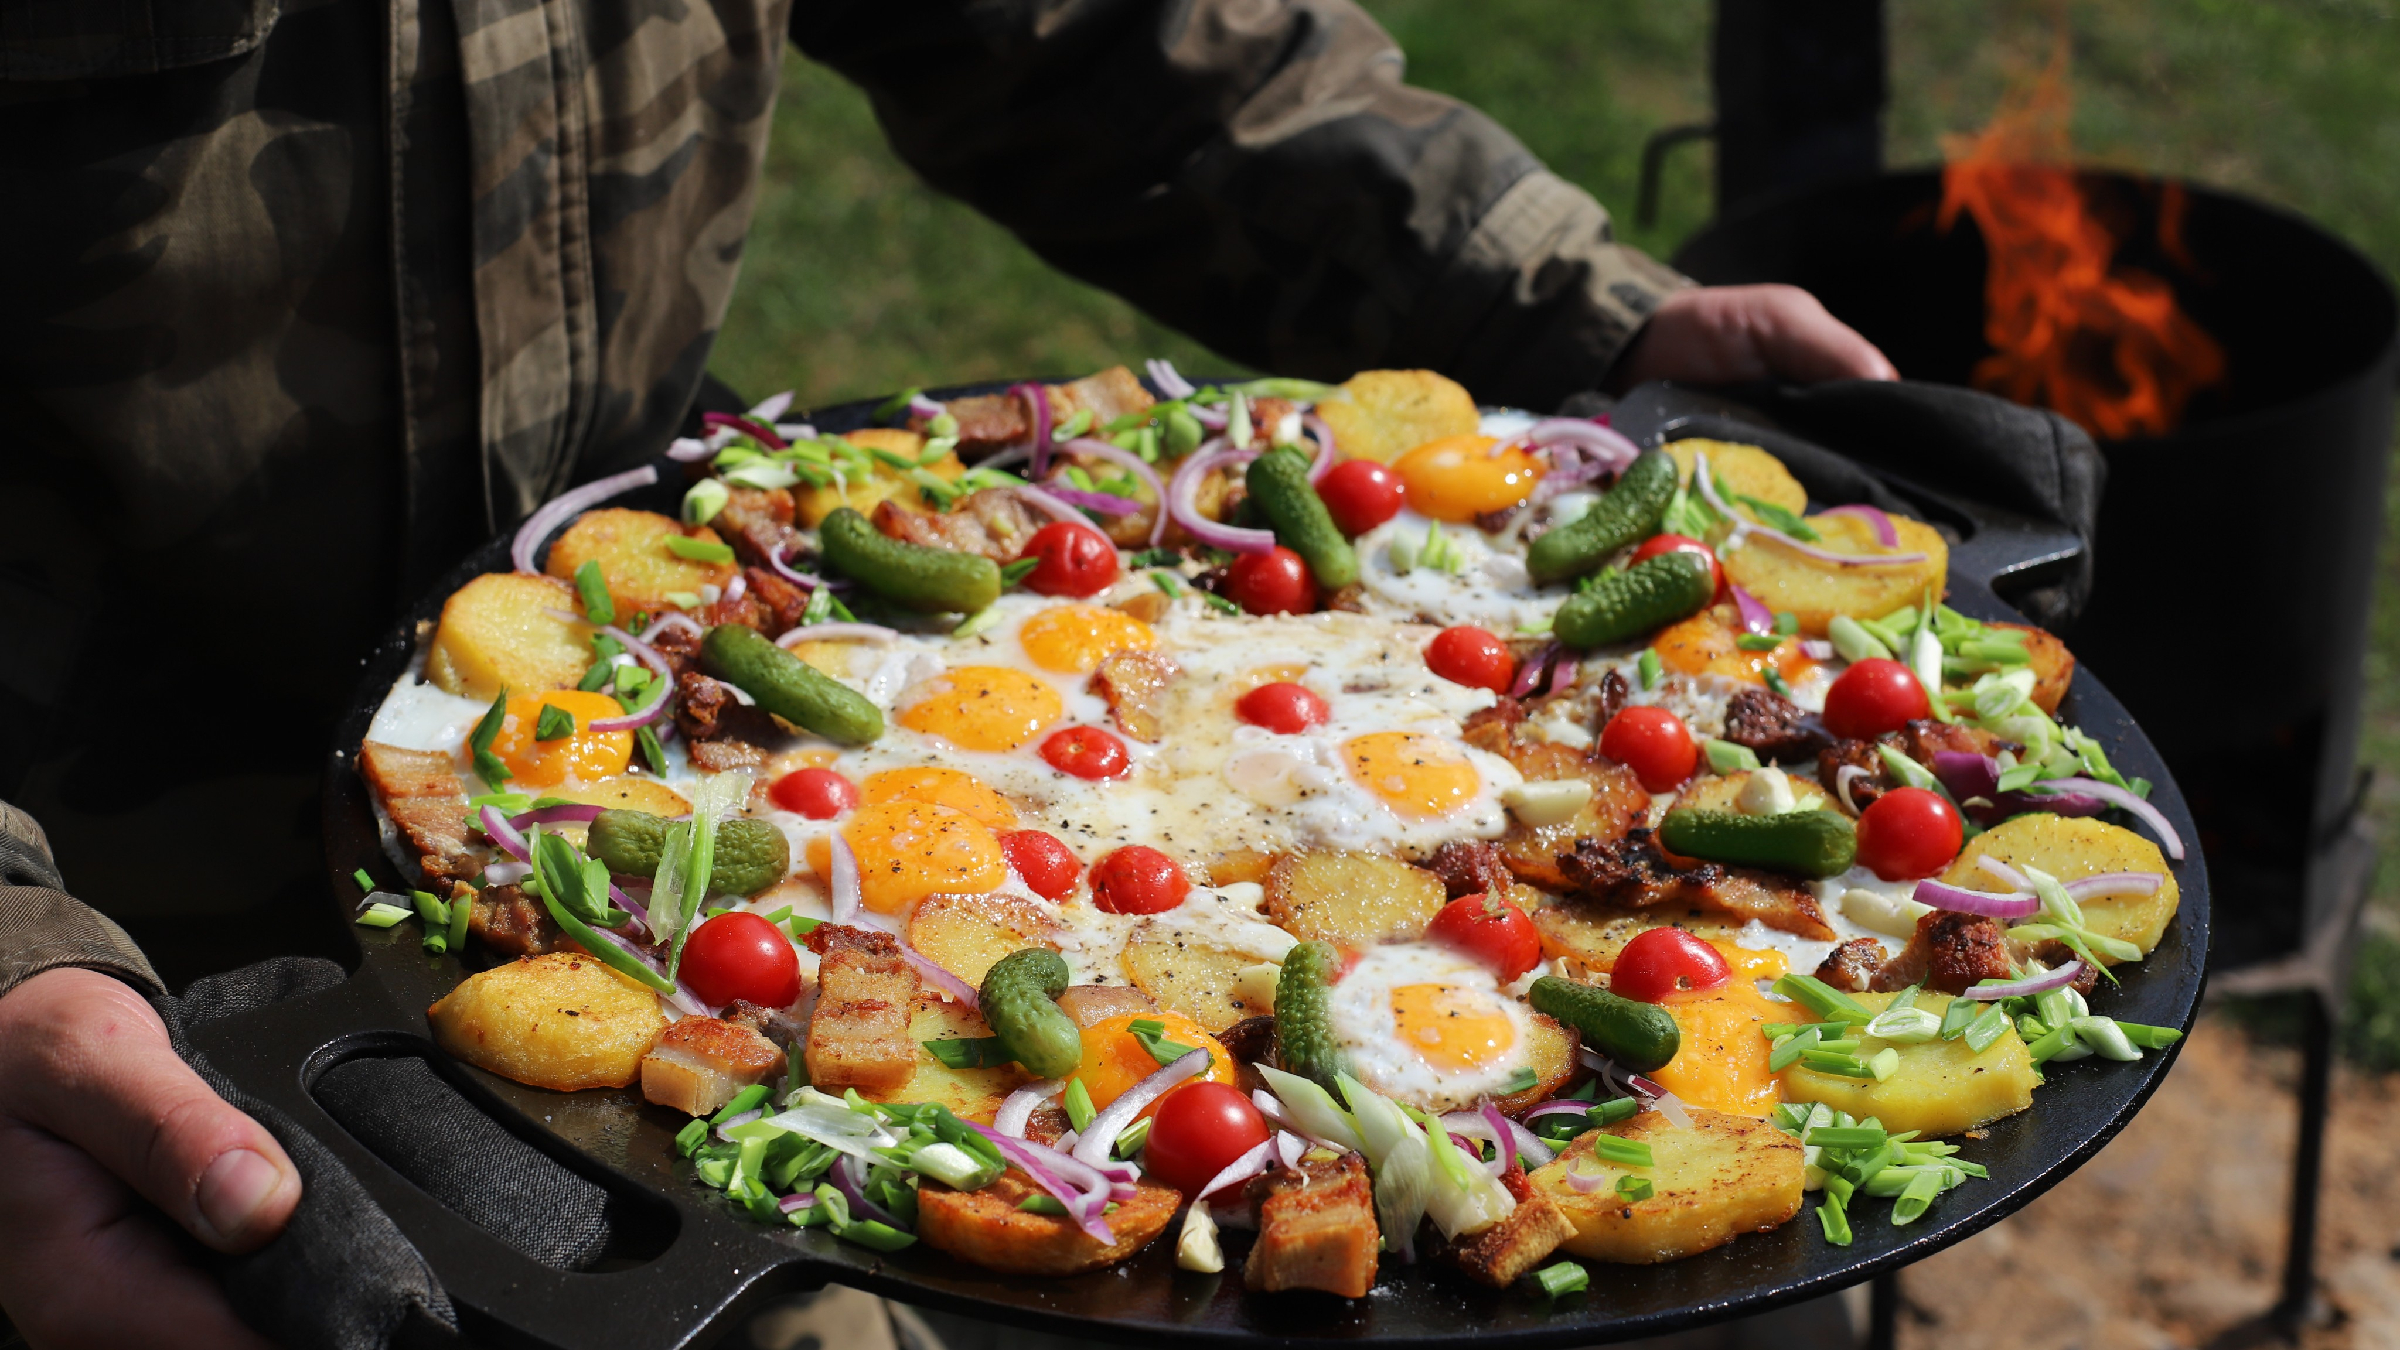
1723	792
1785	580
1726	1176
1187	973
1745	469
2053	665
1235	866
888	482
1941	1087
1384	414
562	1021
626	792
1592	935
631	548
1550	1053
497	632
1351	899
986	1227
971	1094
965	934
1617	801
2072	848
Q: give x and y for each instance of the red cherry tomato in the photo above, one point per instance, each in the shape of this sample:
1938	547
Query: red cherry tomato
1075	560
1199	1130
1873	697
1361	494
1274	582
1908	834
1680	543
1494	932
740	955
1086	752
1047	865
819	794
1662	963
1472	657
1138	879
1283	708
1653	743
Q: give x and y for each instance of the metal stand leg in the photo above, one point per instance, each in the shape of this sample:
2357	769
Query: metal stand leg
2308	1165
1883	1311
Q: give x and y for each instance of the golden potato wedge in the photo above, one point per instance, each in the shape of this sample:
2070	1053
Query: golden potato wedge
1088	1005
1188	974
562	1021
965	934
1815	591
625	792
1550	1053
631	548
1708	643
2072	848
1235	866
985	1227
861	491
971	1094
1726	1176
1723	792
1592	935
1745	469
1617	801
1351	899
497	633
1941	1087
1384	414
2053	665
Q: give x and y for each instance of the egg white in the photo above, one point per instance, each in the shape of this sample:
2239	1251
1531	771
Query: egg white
1360	1011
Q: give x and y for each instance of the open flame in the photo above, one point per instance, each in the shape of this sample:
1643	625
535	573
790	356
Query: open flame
2105	345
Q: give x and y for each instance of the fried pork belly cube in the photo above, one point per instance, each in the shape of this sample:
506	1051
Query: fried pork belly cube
1316	1230
858	1036
1499	1254
700	1062
420	791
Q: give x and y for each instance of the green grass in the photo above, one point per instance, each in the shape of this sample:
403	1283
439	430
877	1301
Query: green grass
858	280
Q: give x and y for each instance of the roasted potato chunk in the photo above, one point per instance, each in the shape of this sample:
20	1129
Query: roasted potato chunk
1236	866
1745	469
1723	792
1384	414
625	793
562	1021
497	633
1550	1053
1592	935
1941	1087
1815	591
1726	1176
965	934
1617	801
2071	848
861	491
986	1227
2053	665
1351	899
631	548
1189	974
971	1094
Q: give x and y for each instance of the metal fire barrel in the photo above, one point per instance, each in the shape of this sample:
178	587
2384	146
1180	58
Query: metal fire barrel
2235	556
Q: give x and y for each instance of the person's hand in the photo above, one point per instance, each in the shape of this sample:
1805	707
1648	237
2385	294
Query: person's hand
97	1116
1743	334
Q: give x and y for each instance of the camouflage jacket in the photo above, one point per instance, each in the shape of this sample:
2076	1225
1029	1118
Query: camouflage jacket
302	298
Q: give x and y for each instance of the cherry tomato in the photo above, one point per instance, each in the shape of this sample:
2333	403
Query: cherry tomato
819	794
1908	834
1199	1130
1472	657
1283	708
740	955
1274	582
1664	962
1680	543
1138	879
1653	743
1494	932
1075	560
1086	752
1361	494
1875	696
1047	865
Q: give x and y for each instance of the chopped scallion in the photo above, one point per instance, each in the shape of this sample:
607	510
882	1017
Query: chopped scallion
1562	1279
1631	1187
1609	1148
1646	670
381	915
1077	1102
699	550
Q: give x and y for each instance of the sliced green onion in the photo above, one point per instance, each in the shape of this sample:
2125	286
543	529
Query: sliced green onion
691	1136
1884	1063
977	622
1077	1102
365	882
1646	669
1838	1065
2105	1037
381	915
1853	643
1017	571
1169	583
1562	1279
1725	757
1905	1026
2149	1037
1791	1048
1775	681
1957	1015
1986	1028
488	766
1919	1194
1623	1152
1134	1136
699	550
740	1102
1615	1109
1847	1136
555	724
1828	1003
1759	642
1218	602
1631	1187
1835	1219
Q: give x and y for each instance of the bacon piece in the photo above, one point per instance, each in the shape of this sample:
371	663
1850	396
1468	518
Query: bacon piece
512	923
757	523
1951	952
782	601
1634	873
1316	1229
700	1062
858	1035
1772	726
1919	740
1851	966
1614	694
679	647
1135	683
773	1023
1499	1254
987	423
993	522
1471	867
420	791
1108	395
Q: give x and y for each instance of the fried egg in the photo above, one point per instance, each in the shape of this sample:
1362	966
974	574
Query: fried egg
1429	1027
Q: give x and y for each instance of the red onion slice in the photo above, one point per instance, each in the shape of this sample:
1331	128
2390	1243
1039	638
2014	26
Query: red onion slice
838	632
799	1200
556	512
690	450
1532	1149
672	620
1743	525
1504	1137
1168	380
1042	500
737	588
2116	883
849	1177
1886	533
1289	1149
1133	464
1960	900
1212	419
738	1121
1082	1190
1240	1169
921	406
1183	500
1104	503
1037	407
644	652
1101	1135
2116	796
955	989
1611	449
844	881
1013	1114
785	570
1843	778
1534	670
758	431
1816	649
2031	985
572	814
2017	880
771	407
1559	1106
1967	774
1323	435
1585	1182
496	827
1756	617
638	718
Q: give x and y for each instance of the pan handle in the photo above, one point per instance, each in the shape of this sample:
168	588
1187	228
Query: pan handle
711	1271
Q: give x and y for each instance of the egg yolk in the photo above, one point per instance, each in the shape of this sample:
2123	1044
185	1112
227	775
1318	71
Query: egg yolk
1722	1064
1450	1028
586	755
1708	643
1114	1059
908	850
984	708
1418	776
1458	478
1072	639
942	787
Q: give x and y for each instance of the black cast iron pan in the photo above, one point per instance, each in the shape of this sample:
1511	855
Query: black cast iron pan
684	1268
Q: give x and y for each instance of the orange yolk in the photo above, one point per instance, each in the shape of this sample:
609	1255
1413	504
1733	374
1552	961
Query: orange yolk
908	850
1113	1060
1072	639
1707	644
984	708
1452	1029
587	755
942	787
1458	478
1723	1062
1417	776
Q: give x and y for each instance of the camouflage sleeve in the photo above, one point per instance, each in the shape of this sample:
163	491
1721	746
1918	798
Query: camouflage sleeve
42	927
1255	173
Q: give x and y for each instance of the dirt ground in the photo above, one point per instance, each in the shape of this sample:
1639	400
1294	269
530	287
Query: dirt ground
2174	1235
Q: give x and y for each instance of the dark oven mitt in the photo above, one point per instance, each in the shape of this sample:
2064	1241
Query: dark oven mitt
1953	441
341	1275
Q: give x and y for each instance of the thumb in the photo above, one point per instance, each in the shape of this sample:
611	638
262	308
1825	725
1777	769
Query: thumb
88	1060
